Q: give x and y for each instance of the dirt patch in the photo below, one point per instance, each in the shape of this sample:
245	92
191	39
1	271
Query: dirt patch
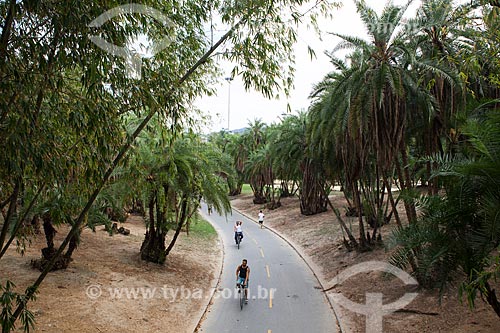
320	238
108	288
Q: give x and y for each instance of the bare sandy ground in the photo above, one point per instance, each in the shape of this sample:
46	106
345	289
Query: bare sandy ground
91	295
108	288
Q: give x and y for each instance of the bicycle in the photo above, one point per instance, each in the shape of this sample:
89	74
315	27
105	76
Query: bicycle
241	292
239	236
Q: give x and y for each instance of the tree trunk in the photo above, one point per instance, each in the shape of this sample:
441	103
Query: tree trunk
234	189
312	199
405	181
73	244
351	237
34	222
10	213
50	233
153	246
257	184
357	201
393	204
49	252
258	197
6	30
285	191
491	298
181	222
272	195
288	190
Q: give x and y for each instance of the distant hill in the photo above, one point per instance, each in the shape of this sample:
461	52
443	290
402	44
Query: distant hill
239	130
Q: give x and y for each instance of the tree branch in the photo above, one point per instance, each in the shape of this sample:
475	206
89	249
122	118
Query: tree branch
30	291
10	213
6	29
19	222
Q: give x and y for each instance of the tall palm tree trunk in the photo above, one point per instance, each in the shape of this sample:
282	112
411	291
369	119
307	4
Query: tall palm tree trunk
391	200
405	181
312	197
363	244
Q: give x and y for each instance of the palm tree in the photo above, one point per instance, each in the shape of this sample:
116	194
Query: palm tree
287	145
461	229
383	110
259	173
238	151
299	162
438	25
369	105
257	169
172	175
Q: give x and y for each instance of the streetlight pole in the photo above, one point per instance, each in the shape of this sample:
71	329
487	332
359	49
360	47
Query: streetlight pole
228	79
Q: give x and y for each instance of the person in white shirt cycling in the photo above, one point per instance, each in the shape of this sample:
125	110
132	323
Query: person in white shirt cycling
238	231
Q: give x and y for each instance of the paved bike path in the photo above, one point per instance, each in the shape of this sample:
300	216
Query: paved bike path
284	295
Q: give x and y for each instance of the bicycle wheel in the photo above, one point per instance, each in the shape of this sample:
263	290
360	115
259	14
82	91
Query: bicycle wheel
242	297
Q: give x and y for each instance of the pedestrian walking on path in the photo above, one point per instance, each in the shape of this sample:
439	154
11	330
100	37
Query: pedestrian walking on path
261	219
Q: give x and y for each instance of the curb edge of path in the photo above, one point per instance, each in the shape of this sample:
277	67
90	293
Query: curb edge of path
215	281
307	259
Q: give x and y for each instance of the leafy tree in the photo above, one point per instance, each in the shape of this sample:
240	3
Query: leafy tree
59	76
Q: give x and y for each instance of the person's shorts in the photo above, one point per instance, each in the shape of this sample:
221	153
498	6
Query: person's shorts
242	280
261	222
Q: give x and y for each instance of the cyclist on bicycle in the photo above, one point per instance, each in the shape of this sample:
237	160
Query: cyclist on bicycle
242	277
238	231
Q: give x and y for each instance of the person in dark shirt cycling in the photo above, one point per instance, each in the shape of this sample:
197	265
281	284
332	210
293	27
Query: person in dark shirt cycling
242	277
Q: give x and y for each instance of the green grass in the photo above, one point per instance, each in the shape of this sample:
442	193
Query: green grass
246	189
202	228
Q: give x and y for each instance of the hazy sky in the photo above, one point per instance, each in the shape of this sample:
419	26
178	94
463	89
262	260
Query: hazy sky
250	105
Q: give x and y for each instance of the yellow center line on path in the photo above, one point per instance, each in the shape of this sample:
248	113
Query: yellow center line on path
268	273
271	298
250	236
262	253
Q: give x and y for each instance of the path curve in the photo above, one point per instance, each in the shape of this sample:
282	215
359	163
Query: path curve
285	295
